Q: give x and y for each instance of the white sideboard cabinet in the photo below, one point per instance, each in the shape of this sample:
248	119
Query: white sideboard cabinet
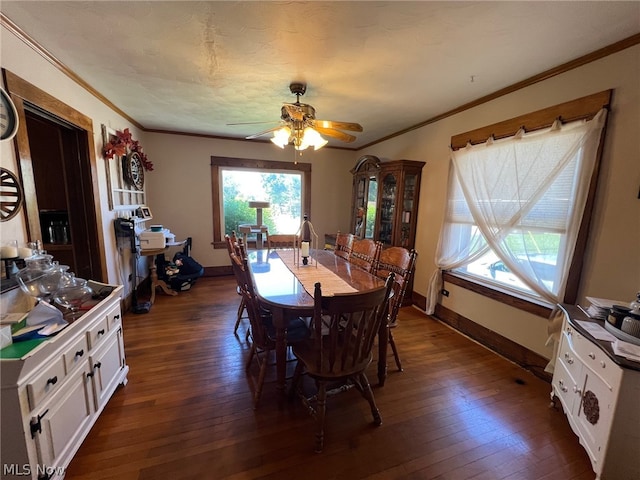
600	395
54	390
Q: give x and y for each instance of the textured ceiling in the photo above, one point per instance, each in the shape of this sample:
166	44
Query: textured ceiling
197	66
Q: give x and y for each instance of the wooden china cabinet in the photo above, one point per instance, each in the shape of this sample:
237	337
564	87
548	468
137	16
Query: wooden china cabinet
385	200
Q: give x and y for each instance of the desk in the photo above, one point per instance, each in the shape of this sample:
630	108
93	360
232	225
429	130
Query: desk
279	290
153	269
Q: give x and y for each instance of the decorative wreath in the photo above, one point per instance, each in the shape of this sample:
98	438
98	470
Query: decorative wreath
124	144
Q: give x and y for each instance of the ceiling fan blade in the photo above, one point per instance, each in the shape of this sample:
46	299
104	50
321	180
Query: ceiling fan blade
256	135
345	137
352	127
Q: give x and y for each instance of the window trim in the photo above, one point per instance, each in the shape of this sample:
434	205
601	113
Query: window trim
251	164
579	109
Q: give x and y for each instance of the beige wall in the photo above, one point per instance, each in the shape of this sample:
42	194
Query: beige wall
179	189
612	263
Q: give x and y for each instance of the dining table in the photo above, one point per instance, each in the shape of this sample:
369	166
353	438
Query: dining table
284	285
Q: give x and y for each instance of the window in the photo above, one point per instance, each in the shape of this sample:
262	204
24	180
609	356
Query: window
282	190
287	186
514	220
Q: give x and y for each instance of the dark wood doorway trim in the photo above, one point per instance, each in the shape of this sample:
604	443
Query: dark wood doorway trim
22	92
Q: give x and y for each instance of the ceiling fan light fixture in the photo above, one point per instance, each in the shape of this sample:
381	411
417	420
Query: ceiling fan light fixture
311	138
281	137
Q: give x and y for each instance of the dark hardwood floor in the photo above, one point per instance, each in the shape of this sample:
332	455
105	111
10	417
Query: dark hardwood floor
458	411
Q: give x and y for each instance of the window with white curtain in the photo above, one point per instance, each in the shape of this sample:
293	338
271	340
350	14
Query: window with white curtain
515	207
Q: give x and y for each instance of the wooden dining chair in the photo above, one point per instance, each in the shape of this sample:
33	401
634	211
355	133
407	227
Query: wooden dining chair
278	240
343	330
402	262
262	331
364	253
344	243
233	249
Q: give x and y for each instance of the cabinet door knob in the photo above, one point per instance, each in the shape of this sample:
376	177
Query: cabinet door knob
100	332
53	380
592	355
79	353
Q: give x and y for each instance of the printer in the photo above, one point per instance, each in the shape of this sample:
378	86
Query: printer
155	238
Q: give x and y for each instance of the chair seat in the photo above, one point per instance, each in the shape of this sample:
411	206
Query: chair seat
307	352
297	330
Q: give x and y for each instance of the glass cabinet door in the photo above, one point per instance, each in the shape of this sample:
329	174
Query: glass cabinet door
365	197
365	201
408	209
359	205
387	208
370	211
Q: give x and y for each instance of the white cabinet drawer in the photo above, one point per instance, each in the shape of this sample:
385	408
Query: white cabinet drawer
97	333
567	353
45	383
75	354
564	386
114	318
595	359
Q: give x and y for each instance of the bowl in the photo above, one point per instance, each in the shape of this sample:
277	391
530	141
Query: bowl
156	228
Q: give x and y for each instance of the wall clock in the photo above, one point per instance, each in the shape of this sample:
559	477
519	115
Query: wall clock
8	117
133	170
11	194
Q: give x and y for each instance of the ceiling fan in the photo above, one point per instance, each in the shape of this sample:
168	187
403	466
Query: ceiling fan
298	125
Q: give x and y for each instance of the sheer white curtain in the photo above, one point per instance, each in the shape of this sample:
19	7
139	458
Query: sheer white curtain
531	182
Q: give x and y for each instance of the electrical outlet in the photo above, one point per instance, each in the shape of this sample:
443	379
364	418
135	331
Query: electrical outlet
444	292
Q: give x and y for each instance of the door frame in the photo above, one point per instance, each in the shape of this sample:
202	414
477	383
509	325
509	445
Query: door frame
22	91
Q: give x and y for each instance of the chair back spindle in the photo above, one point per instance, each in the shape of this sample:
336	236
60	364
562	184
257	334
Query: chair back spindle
275	241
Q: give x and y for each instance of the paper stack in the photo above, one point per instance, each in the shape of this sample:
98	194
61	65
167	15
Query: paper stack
600	307
626	350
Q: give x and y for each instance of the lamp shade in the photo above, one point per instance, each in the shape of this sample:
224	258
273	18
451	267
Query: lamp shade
302	139
281	137
311	138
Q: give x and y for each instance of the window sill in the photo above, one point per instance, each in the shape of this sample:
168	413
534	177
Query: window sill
541	309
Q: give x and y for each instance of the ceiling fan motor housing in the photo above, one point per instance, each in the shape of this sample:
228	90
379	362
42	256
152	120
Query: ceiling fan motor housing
307	112
298	88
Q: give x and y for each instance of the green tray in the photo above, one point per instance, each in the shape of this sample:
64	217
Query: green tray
20	349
